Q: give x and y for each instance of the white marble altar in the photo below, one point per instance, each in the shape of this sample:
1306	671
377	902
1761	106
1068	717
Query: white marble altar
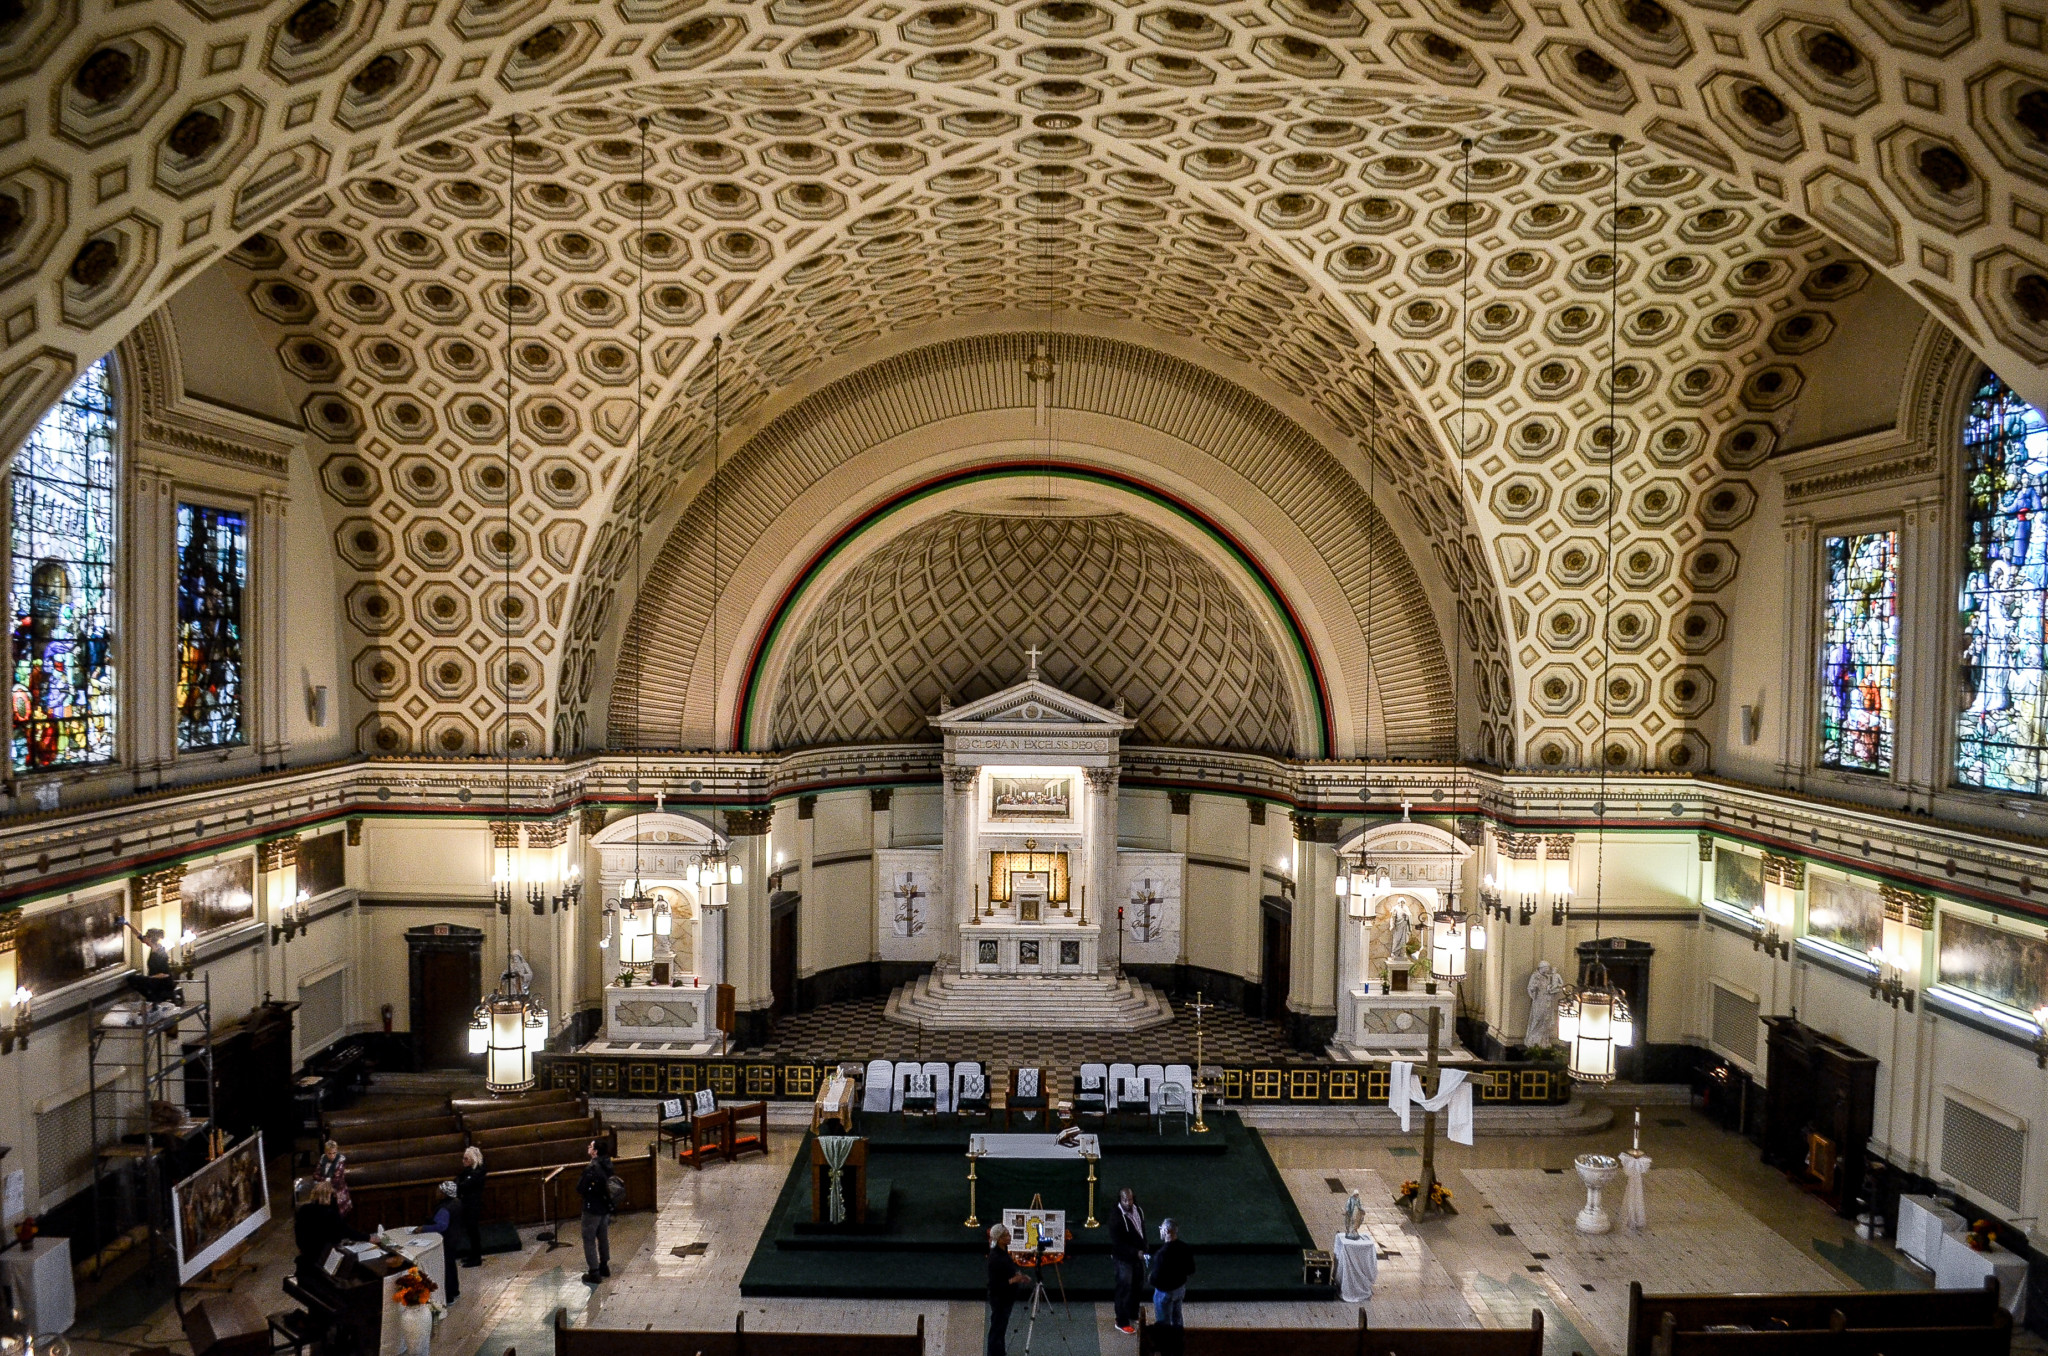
998	946
683	1014
1372	1019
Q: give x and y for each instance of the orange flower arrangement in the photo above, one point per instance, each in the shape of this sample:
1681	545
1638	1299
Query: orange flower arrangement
413	1289
1439	1196
1983	1235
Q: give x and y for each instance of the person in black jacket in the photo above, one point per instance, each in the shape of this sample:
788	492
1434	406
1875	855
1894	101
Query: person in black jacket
1171	1267
594	1187
1127	1251
469	1187
317	1226
1005	1278
447	1222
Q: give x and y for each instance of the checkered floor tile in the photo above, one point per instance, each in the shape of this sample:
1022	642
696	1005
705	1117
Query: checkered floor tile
856	1030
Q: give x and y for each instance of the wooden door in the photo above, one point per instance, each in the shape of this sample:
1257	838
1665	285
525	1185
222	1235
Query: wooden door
446	1000
1276	966
782	963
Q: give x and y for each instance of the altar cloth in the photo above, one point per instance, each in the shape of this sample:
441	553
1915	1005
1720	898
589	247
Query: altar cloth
1032	1146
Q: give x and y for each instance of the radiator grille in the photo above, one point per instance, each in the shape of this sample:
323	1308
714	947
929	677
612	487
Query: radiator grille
324	1009
1982	1153
64	1145
1735	1022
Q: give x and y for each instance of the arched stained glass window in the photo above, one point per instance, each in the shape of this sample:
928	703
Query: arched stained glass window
2002	733
61	581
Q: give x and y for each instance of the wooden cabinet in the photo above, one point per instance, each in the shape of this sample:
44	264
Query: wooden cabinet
1817	1087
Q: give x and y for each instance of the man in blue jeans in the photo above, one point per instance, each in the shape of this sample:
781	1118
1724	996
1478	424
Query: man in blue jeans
1171	1267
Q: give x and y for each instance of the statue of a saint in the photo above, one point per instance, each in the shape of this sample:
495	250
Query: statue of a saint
1400	928
1354	1211
518	976
1546	991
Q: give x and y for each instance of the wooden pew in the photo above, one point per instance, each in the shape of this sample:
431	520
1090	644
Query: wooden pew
1359	1341
369	1132
1994	1339
535	1113
1807	1311
466	1106
406	1190
739	1342
585	1127
383	1150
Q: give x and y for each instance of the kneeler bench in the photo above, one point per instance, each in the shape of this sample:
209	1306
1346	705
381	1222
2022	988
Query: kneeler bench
1359	1341
739	1342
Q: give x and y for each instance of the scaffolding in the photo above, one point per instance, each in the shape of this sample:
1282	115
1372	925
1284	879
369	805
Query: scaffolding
152	1109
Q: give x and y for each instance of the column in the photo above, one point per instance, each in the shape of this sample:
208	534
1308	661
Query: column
273	685
746	925
1796	692
1101	830
810	905
1312	995
881	834
148	618
958	859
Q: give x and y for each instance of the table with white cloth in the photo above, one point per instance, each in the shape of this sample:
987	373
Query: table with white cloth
424	1251
39	1276
1357	1262
1922	1222
1958	1266
1069	1191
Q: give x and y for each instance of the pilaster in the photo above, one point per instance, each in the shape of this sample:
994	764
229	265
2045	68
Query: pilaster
267	686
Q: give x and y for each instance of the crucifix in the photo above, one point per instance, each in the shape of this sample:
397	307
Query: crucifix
1032	655
1144	922
1419	1208
907	895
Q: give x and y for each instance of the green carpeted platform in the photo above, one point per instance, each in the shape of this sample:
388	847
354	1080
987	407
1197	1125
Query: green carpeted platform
1222	1188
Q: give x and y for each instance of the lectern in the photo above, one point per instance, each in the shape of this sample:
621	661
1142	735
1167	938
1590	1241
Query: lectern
853	1182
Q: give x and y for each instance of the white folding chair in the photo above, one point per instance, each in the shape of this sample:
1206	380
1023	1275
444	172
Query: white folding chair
1154	1077
942	1085
904	1070
1184	1076
1173	1101
876	1090
1119	1075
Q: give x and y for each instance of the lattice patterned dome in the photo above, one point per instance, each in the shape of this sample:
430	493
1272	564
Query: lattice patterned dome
1120	609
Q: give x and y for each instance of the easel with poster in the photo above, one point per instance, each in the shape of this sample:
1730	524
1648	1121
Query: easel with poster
1038	1239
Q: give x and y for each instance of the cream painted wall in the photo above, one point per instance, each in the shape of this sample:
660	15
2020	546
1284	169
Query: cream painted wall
916	817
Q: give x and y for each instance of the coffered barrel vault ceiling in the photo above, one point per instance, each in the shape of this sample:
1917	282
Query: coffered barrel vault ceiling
1277	185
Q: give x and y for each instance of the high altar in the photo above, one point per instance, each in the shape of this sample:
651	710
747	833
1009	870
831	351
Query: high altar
1030	856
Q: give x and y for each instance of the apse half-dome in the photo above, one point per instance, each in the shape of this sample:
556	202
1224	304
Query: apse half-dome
1119	609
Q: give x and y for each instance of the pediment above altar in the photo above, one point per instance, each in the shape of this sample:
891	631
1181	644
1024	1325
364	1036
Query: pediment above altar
1032	706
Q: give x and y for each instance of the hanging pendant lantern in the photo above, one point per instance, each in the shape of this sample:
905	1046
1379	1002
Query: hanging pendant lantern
1594	1025
1447	943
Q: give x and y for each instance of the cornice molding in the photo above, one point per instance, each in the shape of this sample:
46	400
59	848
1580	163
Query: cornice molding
165	418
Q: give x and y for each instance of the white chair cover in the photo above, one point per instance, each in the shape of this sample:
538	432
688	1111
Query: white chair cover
672	1109
875	1093
942	1084
1183	1075
965	1071
918	1088
707	1102
1027	1082
1154	1076
1131	1095
1091	1083
1120	1074
904	1070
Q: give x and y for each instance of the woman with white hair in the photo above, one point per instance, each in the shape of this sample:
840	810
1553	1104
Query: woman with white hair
469	1189
1004	1280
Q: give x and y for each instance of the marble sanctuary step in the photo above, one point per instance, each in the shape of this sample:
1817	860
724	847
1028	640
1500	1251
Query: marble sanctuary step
945	1000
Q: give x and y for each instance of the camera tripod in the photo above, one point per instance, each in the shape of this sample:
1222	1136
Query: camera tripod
1038	1292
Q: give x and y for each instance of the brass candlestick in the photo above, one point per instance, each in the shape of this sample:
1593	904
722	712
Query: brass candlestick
1092	1222
973	1214
1201	1126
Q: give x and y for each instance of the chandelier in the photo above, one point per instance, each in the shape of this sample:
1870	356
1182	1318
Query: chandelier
1594	1023
510	1026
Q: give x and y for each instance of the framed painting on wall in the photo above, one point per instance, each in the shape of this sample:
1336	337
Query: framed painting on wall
1739	880
2005	967
1845	912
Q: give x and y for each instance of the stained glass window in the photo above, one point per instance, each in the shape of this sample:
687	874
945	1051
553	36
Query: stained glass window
1859	661
213	556
61	579
2001	742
